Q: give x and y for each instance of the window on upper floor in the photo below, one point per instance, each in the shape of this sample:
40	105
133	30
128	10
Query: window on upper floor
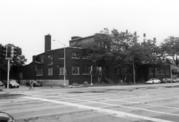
42	58
61	55
50	59
36	59
76	55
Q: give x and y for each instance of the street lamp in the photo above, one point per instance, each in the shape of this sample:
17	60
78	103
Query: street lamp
64	66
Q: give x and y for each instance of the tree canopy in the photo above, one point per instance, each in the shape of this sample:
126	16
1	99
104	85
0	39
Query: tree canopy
17	60
126	52
170	48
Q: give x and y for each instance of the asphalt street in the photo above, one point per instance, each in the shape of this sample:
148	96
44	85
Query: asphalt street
134	103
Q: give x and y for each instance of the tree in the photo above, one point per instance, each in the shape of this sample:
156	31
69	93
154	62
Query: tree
151	52
123	40
122	51
171	48
17	60
134	56
134	53
127	51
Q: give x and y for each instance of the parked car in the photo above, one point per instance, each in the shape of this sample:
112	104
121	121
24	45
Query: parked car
5	117
34	82
153	81
168	80
176	80
12	84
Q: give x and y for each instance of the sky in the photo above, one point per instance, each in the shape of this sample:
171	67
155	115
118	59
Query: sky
25	22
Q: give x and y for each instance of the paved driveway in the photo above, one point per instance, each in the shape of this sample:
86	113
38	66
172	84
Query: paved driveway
139	103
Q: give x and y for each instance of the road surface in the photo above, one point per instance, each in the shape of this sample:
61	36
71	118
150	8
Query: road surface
139	103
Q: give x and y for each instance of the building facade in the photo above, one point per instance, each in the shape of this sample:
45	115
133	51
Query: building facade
49	66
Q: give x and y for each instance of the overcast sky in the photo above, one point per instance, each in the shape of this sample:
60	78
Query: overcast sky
25	22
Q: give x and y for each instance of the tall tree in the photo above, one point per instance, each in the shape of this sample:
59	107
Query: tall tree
171	48
17	60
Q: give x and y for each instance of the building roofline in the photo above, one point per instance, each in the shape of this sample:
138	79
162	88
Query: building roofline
72	40
59	49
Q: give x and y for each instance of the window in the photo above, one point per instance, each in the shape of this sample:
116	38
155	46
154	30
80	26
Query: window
61	71
37	59
86	70
42	59
39	71
50	60
75	70
75	55
102	44
99	44
50	71
61	55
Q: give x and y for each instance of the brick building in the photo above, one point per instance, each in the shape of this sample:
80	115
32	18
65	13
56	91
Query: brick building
49	66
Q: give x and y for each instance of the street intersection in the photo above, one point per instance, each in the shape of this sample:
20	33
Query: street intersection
134	103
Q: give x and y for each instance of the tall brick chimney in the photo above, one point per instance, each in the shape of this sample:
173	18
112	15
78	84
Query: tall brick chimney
47	42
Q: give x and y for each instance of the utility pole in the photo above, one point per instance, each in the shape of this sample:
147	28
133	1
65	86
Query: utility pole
8	72
9	56
91	71
64	67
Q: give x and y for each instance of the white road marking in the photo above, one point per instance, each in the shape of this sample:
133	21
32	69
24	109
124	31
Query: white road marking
123	106
101	110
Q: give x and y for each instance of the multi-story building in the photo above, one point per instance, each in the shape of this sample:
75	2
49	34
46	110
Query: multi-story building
49	65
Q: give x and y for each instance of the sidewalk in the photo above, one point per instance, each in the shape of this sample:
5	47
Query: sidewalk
14	90
22	89
140	86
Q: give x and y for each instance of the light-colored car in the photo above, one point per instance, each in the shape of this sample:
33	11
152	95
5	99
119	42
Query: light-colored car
12	84
153	81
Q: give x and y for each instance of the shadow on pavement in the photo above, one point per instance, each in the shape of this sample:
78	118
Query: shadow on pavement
10	96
